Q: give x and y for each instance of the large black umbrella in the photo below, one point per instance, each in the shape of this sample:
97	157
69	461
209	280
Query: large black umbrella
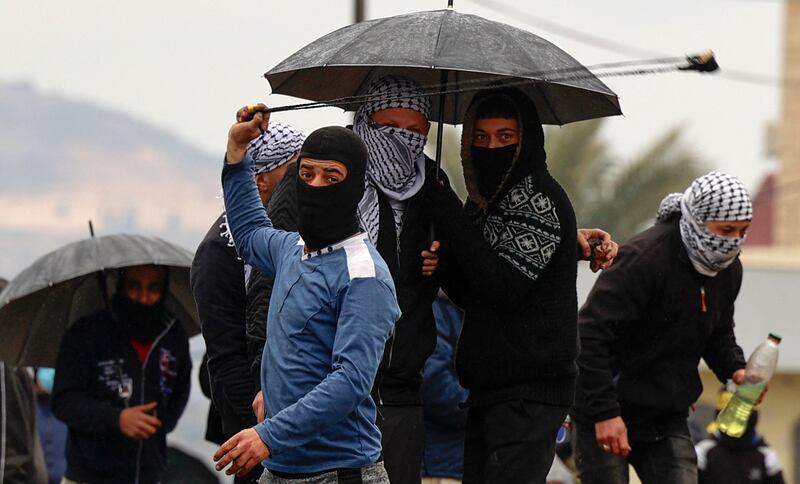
471	51
40	303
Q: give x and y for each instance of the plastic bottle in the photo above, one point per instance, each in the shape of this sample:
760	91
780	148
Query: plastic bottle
761	365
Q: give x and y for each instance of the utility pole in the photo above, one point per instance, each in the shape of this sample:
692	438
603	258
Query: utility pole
360	10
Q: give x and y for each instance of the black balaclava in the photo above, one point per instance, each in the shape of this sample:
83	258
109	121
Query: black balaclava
326	215
141	322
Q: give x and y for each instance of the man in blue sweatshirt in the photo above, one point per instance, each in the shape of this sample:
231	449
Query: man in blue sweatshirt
332	309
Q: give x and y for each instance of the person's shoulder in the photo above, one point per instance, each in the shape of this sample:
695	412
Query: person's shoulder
538	203
363	260
91	327
218	238
655	242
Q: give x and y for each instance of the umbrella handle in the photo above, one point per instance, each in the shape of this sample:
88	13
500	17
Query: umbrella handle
439	140
440	124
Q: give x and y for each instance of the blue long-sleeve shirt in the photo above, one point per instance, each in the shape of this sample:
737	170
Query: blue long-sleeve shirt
329	318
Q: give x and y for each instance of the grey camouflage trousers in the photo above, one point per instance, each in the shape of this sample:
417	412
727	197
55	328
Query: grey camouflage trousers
371	474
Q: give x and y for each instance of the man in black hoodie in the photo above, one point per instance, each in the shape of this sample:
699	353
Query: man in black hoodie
509	260
122	382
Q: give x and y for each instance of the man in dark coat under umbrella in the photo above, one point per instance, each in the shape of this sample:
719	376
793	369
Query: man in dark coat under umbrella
122	383
509	260
222	287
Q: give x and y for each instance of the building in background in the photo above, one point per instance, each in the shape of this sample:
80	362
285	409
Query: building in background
770	295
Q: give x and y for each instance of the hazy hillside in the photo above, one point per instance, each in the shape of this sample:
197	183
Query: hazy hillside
63	162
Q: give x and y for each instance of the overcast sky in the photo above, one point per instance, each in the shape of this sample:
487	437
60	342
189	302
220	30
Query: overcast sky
186	65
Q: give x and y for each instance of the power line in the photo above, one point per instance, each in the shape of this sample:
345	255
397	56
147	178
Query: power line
618	47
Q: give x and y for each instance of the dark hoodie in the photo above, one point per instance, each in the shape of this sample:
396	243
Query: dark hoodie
98	374
511	264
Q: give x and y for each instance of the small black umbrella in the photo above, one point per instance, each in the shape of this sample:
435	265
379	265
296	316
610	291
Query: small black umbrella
40	303
444	50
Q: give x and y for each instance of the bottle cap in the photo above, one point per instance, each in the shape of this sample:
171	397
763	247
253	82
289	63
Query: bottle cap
774	337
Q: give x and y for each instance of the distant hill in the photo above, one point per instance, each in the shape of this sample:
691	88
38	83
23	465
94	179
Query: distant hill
65	161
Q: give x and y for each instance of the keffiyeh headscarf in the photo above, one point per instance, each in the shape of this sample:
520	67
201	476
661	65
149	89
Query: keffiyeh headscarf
279	143
715	196
396	164
273	149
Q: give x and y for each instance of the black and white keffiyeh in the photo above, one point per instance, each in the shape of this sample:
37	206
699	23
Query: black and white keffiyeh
396	164
276	146
715	196
273	149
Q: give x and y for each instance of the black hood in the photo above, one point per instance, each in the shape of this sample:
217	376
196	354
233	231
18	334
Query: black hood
530	154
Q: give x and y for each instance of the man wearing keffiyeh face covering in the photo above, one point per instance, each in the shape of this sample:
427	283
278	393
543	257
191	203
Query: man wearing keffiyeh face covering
667	302
227	291
394	215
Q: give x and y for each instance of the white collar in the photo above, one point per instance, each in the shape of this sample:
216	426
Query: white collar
355	239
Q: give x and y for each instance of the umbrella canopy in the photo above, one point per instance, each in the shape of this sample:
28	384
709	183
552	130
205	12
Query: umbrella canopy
38	305
475	51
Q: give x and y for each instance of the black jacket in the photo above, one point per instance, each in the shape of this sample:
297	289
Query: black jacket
645	325
98	374
218	286
511	265
259	292
399	376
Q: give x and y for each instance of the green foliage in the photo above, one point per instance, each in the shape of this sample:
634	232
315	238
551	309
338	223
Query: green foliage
619	196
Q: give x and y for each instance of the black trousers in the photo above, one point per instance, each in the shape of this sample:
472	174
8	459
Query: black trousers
670	458
511	442
402	441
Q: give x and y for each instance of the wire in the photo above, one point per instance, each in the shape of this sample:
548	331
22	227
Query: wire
569	32
620	48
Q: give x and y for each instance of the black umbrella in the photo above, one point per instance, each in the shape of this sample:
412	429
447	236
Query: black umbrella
40	303
451	55
471	51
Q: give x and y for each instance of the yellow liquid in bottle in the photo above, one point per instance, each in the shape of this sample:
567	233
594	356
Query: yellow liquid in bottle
733	418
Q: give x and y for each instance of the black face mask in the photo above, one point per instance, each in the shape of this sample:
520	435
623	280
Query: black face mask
141	322
492	165
326	215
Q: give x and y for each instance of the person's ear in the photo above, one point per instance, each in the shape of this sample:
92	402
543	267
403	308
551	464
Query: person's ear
261	182
427	128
